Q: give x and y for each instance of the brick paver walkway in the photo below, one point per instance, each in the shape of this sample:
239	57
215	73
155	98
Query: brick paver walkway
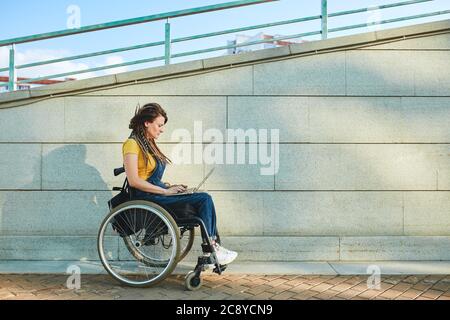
239	287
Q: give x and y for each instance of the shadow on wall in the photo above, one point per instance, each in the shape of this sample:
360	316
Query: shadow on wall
61	220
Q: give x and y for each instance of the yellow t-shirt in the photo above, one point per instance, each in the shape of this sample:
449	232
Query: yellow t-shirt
144	171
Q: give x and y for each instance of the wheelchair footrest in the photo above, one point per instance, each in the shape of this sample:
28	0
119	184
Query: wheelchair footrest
204	261
220	269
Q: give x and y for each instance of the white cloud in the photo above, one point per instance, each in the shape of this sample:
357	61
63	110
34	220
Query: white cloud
114	60
35	55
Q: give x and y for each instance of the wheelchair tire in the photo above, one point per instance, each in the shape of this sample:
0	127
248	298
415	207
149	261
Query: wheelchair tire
192	281
139	243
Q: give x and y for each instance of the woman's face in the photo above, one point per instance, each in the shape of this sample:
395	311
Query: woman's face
155	128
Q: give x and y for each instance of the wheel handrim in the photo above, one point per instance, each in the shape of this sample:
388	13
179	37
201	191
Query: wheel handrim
126	266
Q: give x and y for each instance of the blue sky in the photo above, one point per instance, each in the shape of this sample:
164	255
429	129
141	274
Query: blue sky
31	17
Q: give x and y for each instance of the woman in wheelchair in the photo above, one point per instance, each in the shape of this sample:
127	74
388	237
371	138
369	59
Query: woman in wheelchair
145	164
147	232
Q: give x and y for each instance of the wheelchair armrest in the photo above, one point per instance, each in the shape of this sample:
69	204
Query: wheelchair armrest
118	171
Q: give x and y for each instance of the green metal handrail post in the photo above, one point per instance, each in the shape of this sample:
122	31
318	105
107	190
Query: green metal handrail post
324	17
12	85
168	43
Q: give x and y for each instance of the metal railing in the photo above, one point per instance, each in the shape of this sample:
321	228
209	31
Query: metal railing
168	41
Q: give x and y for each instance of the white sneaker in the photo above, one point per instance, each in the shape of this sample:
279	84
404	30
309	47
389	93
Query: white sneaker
224	255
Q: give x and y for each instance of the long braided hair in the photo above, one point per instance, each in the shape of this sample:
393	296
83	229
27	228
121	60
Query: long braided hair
148	112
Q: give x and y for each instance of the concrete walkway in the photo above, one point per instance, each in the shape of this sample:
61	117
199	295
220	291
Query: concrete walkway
231	286
257	268
422	280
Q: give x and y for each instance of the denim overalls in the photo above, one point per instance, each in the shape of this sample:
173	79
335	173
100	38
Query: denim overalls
201	201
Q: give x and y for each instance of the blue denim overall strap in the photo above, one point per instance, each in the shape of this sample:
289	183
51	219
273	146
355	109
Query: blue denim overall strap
156	176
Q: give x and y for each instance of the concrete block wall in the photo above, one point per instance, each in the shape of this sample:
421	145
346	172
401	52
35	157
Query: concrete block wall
364	165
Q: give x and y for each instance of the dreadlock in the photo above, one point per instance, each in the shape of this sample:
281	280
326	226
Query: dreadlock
148	112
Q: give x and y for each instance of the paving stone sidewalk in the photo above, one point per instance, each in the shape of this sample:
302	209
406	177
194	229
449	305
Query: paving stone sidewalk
236	287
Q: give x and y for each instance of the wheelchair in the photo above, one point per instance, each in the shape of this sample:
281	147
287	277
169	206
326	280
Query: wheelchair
140	242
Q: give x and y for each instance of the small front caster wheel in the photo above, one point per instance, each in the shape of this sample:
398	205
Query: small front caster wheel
192	281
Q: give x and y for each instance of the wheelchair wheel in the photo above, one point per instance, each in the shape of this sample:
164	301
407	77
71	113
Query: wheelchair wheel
186	241
139	243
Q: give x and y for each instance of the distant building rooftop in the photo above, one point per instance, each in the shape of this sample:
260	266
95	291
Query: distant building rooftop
25	86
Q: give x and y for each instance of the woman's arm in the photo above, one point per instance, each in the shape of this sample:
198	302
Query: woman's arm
130	162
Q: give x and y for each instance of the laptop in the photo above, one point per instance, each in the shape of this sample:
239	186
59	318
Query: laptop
193	190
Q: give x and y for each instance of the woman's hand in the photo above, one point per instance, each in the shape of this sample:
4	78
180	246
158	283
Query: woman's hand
168	185
176	189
